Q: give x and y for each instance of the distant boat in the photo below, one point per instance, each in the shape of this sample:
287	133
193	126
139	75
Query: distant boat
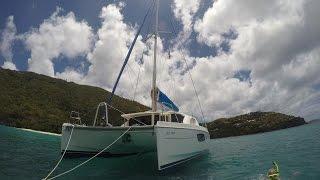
175	137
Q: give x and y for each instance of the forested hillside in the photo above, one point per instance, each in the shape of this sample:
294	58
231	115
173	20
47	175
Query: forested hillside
39	102
251	123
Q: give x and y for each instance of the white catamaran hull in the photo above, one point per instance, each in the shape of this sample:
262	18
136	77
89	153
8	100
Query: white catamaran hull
174	143
88	140
177	143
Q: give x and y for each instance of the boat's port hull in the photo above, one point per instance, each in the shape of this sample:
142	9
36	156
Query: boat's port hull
86	141
174	143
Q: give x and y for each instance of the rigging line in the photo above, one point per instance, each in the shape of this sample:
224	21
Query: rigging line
187	67
194	88
172	92
130	79
160	68
127	57
173	87
148	30
149	20
141	60
137	82
132	69
147	65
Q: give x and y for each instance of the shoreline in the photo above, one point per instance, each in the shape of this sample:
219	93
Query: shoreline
40	132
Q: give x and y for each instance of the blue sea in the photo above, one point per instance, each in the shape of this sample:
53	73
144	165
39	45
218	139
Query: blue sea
31	155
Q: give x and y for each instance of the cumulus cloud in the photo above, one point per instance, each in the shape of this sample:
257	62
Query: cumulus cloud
72	75
60	35
109	52
110	48
113	40
278	41
282	71
9	65
185	11
8	37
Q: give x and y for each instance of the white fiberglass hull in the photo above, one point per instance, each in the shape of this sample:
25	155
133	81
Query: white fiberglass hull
177	143
174	143
88	140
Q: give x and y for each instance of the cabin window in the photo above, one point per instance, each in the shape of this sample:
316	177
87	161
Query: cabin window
156	119
164	118
143	120
201	137
177	118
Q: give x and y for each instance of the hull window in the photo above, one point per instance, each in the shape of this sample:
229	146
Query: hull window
201	137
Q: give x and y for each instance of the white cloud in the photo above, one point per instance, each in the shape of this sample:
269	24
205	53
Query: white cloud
277	41
110	49
185	11
71	75
266	44
228	15
60	35
9	65
8	37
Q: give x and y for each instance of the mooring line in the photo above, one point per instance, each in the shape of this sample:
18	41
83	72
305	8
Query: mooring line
64	152
79	165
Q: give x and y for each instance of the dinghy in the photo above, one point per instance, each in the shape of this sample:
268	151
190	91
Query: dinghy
174	136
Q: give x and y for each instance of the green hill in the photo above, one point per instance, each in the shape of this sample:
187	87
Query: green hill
39	102
255	122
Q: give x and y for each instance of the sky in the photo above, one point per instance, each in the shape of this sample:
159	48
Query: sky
243	56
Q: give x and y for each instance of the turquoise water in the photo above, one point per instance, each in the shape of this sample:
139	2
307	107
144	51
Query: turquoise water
31	155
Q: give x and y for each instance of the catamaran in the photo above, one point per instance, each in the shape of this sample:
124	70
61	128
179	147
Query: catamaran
175	137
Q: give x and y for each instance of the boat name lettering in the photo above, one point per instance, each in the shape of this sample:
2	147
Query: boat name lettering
170	132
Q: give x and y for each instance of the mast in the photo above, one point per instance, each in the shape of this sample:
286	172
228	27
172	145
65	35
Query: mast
154	76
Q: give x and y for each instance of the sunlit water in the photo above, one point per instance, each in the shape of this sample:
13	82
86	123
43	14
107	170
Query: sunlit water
31	155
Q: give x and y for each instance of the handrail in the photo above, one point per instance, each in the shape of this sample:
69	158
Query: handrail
106	114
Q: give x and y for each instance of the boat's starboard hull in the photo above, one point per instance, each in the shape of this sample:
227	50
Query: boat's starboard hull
177	143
